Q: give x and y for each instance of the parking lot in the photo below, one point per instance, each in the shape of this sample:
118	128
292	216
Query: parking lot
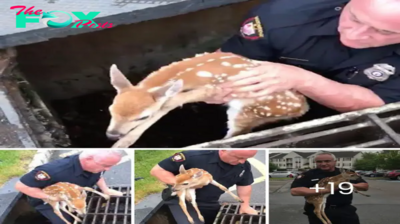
382	207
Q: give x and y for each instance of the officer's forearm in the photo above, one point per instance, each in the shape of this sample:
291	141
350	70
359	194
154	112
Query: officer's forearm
244	193
31	191
102	185
163	175
335	95
361	186
304	191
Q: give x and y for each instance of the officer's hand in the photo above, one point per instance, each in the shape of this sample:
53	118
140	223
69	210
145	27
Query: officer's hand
220	97
113	192
263	80
247	210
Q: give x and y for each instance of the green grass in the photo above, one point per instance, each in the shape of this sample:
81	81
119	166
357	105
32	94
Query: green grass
14	163
280	178
144	161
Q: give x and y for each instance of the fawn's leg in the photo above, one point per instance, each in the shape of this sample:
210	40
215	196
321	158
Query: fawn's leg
56	209
191	196
107	197
63	207
317	210
220	186
242	119
323	210
182	197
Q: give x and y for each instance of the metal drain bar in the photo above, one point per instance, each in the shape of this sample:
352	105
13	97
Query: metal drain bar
117	210
229	214
370	128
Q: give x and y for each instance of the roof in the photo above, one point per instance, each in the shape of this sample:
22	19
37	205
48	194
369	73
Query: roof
117	12
304	154
277	156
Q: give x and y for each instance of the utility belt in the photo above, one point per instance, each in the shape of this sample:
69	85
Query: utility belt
327	206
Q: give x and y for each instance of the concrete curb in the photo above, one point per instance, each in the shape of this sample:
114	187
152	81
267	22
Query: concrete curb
41	157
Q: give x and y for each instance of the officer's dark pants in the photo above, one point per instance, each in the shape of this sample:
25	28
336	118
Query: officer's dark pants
338	215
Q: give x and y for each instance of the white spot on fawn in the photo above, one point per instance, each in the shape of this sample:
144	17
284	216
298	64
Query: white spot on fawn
225	63
204	74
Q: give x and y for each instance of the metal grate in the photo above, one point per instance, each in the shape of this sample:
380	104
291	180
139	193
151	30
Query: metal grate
370	128
229	214
117	210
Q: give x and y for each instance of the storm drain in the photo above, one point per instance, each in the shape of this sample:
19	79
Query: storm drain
229	214
117	210
370	128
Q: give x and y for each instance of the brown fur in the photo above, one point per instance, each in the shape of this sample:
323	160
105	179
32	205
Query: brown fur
188	180
70	194
193	80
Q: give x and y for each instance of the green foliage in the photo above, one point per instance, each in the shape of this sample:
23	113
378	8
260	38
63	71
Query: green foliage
386	159
272	166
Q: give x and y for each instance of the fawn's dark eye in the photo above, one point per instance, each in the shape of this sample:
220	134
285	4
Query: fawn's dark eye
185	184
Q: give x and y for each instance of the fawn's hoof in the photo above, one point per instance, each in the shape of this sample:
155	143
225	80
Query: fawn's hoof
191	221
201	218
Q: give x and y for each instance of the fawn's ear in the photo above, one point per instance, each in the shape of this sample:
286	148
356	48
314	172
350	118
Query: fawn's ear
182	170
198	174
168	90
84	194
118	79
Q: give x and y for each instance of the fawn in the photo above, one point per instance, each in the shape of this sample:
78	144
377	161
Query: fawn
319	201
136	108
185	188
72	195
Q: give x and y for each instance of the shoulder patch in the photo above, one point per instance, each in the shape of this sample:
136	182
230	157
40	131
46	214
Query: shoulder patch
178	157
42	176
252	29
299	176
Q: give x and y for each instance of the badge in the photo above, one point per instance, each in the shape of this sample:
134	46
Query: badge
42	176
241	174
252	29
299	176
178	157
380	72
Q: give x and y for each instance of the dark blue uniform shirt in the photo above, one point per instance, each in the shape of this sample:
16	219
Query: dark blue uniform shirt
67	169
304	34
310	178
224	173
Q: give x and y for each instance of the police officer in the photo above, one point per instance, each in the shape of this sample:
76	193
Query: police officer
338	206
343	55
85	169
228	167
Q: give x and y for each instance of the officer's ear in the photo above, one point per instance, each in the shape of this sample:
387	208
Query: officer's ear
198	174
182	169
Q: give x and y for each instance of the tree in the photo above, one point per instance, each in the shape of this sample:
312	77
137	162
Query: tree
386	159
272	166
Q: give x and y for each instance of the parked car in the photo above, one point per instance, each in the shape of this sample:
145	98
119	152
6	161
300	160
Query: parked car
376	174
283	174
395	174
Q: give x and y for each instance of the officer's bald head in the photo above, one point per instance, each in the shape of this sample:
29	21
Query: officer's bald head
235	157
370	23
96	161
